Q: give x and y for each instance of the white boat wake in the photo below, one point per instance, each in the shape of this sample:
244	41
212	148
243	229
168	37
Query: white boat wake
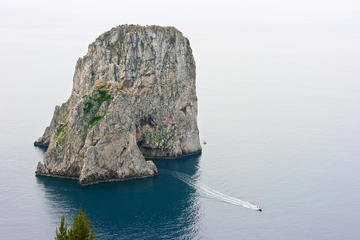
212	193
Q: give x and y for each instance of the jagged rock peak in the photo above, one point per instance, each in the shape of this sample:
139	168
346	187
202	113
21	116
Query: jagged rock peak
133	97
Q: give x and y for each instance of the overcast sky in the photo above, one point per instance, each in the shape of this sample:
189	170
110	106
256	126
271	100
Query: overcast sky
307	43
188	15
195	19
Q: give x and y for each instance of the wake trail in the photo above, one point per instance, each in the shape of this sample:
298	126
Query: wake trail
211	192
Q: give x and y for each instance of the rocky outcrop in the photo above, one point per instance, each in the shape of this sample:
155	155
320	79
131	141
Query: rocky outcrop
133	98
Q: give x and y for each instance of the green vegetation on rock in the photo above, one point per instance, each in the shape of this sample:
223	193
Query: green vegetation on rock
172	40
60	133
158	138
101	95
88	105
103	92
95	119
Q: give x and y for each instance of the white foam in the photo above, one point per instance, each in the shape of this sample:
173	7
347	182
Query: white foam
212	192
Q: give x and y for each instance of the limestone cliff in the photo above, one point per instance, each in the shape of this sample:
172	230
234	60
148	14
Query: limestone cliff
133	98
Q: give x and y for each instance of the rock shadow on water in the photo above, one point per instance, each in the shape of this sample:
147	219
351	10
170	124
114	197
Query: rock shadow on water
161	207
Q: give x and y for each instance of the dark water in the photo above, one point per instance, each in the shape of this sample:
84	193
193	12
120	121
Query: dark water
141	209
279	94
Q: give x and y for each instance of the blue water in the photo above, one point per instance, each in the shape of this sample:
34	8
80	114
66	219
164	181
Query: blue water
141	209
305	176
279	93
307	190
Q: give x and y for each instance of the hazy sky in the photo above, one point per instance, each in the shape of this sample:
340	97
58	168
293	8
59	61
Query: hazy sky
296	44
188	15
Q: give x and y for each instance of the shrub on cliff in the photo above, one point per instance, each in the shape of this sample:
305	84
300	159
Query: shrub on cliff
80	229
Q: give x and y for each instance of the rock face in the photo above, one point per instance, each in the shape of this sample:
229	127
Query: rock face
133	98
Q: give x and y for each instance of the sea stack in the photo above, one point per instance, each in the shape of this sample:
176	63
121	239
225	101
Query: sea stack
133	97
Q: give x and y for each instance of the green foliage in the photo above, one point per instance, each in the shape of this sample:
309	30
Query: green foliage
158	138
101	93
61	233
60	133
80	229
88	105
95	119
172	40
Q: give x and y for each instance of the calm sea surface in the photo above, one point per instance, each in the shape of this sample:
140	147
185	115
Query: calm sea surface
278	107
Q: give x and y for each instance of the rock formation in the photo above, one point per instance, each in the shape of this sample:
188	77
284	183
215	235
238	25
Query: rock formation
133	98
